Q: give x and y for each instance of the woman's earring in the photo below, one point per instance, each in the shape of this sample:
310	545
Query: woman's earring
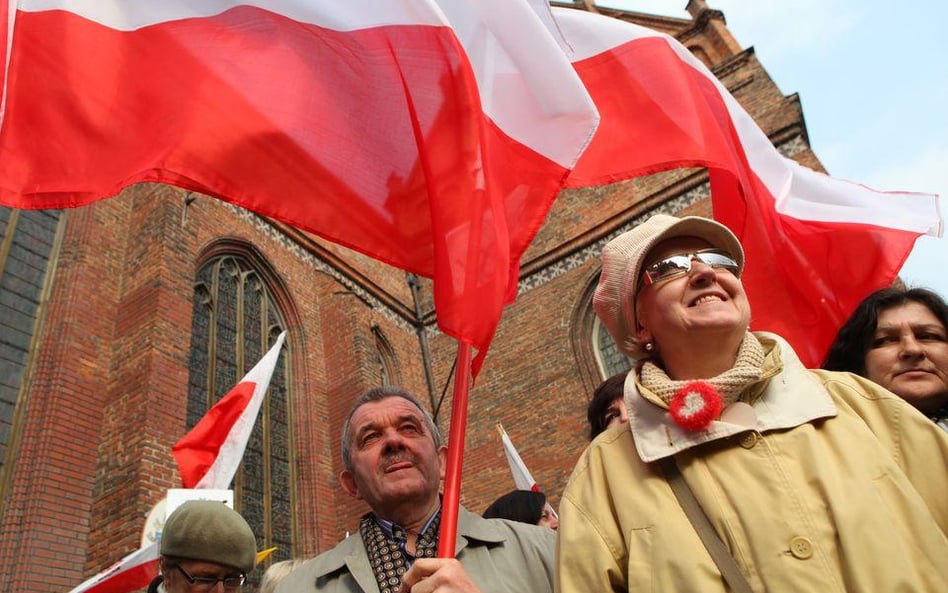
649	346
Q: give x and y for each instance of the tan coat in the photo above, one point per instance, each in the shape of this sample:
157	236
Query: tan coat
853	499
500	556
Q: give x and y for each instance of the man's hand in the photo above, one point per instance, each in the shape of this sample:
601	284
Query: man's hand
445	575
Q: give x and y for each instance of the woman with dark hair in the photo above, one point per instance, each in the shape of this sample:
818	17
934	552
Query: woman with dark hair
897	338
524	506
607	408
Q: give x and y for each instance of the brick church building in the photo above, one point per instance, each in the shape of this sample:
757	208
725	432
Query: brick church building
123	321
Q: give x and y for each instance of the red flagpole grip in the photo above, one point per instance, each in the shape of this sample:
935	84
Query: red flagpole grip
451	498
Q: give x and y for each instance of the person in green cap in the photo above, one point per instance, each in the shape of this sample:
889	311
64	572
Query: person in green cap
203	543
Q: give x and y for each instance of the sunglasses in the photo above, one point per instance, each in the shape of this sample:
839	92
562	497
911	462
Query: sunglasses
679	265
204	584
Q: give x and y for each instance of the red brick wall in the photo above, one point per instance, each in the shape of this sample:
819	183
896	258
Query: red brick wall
46	514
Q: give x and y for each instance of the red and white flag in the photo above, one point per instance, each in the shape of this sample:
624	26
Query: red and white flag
430	134
521	475
815	245
133	572
209	455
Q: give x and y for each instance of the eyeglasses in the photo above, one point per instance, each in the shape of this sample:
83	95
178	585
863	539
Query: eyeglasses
679	265
205	584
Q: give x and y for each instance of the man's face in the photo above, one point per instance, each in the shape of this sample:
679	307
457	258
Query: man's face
394	459
206	576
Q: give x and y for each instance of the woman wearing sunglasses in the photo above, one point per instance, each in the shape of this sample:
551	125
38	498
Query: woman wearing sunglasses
741	469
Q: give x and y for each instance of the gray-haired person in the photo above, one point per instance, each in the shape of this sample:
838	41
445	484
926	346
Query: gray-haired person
393	459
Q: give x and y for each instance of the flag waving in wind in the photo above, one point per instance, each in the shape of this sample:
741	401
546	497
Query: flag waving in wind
815	245
430	134
209	455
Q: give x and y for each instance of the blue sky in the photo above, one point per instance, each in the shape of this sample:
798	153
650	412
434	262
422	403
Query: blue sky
873	80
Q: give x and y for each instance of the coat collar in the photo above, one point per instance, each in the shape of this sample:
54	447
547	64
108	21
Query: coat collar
792	397
351	554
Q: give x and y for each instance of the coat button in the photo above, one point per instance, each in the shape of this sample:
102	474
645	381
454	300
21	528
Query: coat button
801	547
749	440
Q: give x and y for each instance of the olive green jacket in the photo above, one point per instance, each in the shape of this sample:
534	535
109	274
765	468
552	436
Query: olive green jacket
839	486
500	556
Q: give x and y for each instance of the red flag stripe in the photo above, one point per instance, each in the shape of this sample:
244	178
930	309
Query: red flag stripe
132	572
137	577
197	451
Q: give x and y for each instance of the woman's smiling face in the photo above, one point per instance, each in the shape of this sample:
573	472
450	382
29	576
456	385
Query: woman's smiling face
703	302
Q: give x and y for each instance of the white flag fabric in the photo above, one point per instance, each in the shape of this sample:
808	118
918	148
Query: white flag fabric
521	475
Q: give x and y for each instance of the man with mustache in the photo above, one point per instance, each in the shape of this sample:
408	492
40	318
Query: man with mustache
393	459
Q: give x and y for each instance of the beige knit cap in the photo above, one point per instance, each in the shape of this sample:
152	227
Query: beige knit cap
622	259
210	531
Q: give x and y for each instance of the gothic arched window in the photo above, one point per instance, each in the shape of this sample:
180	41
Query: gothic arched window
597	356
611	359
236	320
385	359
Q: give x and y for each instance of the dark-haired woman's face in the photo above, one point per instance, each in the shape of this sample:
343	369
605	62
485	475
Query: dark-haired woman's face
908	355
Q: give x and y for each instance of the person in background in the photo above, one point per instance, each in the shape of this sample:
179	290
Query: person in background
273	575
204	543
898	338
393	459
607	408
525	506
809	480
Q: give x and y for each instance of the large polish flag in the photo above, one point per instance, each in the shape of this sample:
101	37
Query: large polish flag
430	134
815	245
208	457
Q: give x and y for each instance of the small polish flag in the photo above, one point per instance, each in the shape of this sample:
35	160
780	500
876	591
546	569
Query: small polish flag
208	456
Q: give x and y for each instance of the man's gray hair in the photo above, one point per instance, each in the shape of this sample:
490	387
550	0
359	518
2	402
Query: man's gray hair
378	394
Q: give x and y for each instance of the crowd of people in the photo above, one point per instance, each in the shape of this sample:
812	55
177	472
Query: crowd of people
718	463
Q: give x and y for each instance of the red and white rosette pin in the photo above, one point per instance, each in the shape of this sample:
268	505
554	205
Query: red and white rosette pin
695	406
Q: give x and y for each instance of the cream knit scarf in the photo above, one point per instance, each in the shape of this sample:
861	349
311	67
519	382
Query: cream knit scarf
745	372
